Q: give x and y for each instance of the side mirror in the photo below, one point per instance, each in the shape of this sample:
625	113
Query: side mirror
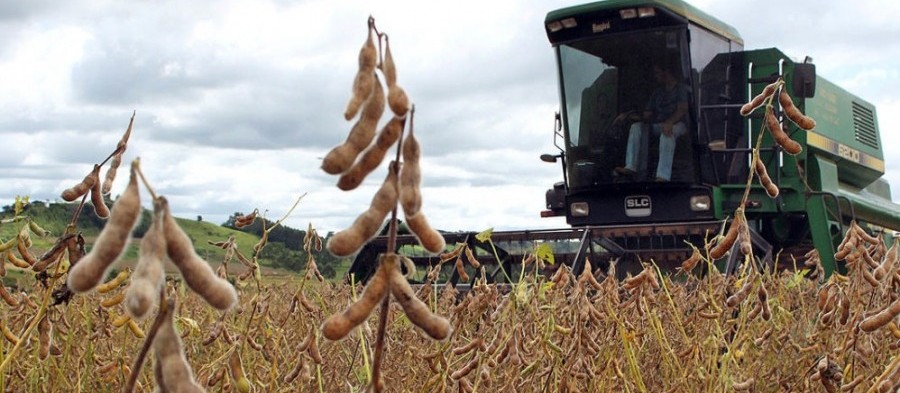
804	80
551	158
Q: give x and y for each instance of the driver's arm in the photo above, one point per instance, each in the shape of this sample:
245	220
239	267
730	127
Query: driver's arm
680	111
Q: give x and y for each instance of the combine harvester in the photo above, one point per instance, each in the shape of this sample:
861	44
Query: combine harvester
605	54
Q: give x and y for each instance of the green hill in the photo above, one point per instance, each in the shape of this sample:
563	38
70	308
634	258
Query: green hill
283	252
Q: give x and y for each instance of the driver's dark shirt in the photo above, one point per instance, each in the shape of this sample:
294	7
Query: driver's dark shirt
663	103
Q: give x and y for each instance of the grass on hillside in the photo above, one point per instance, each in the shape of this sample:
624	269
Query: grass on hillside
200	232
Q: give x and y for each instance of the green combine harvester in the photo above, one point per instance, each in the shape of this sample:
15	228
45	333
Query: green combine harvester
611	57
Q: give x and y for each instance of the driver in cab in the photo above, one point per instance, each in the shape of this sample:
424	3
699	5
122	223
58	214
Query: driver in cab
664	115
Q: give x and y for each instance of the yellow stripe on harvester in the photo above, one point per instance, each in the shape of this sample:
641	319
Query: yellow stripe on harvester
841	150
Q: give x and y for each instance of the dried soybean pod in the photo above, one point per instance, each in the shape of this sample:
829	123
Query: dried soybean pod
246	220
174	371
53	254
822	296
470	257
758	100
340	158
461	270
111	242
725	244
348	241
7	297
473	344
71	194
850	386
149	275
465	369
34	227
411	176
887	263
9	335
743	386
111	174
309	307
337	326
587	277
97	200
16	261
372	157
44	337
313	349
741	294
363	82
119	321
863	234
9	244
108	286
113	301
75	248
295	372
429	238
791	111
216	377
135	329
744	243
387	66
689	264
409	266
846	248
789	145
236	370
366	226
117	158
882	318
763	297
398	100
22	247
418	313
765	180
844	308
198	275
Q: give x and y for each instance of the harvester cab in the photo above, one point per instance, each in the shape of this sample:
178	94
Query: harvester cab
629	138
646	179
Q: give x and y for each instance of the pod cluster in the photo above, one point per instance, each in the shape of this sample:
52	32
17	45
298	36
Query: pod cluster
738	233
775	128
164	238
387	280
364	150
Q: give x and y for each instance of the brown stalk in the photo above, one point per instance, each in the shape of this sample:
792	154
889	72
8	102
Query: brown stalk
385	303
165	307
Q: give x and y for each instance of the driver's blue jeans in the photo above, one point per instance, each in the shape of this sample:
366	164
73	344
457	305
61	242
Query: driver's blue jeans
636	155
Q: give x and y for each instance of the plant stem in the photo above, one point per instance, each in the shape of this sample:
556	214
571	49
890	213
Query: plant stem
166	306
391	248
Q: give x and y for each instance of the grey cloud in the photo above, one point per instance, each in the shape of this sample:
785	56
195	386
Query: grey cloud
113	75
280	112
13	11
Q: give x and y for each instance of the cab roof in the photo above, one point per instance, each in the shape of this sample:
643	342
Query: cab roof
677	7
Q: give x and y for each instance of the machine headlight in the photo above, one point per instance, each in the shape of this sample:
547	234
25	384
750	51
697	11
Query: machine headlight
700	203
645	12
579	209
628	13
554	26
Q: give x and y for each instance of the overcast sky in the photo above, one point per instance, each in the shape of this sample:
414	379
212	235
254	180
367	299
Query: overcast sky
238	101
